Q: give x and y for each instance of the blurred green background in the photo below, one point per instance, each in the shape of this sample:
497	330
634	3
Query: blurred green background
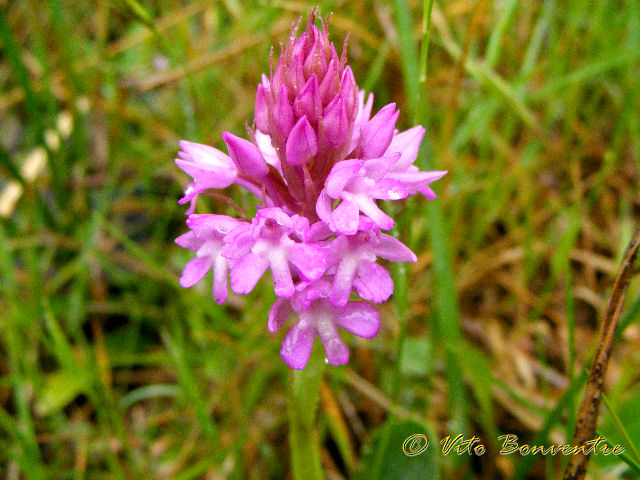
108	369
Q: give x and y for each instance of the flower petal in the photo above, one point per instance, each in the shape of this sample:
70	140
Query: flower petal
208	166
394	250
238	242
278	314
189	241
220	281
388	189
340	175
302	144
262	110
311	260
359	318
375	168
316	232
407	144
370	209
266	148
281	274
343	281
346	216
297	345
373	283
246	155
335	122
209	224
308	101
284	116
336	350
194	271
246	272
377	133
323	209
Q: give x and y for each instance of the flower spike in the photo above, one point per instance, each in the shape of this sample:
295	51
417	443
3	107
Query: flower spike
317	161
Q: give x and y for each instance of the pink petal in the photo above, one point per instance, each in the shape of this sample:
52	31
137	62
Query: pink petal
262	110
329	82
359	318
345	217
246	155
369	208
311	260
308	101
407	144
340	175
189	241
284	116
209	177
208	166
343	281
318	231
220	279
268	152
394	250
278	314
388	189
323	209
427	192
194	271
377	133
417	177
336	350
211	223
276	214
374	283
364	112
238	242
375	168
297	345
313	291
282	282
335	122
348	91
301	144
246	272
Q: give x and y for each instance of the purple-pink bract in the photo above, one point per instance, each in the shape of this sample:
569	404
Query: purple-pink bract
318	162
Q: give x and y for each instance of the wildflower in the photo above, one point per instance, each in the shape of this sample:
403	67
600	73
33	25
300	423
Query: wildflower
317	162
205	238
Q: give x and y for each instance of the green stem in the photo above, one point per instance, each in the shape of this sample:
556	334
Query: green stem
304	394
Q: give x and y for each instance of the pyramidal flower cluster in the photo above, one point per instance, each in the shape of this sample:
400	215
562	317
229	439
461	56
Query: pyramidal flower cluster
317	161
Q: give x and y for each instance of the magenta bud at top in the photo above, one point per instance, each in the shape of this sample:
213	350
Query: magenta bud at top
336	126
262	110
316	62
377	133
246	155
284	115
295	74
302	144
308	100
329	83
349	92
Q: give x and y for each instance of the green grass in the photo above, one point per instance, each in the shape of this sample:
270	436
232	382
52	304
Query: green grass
109	369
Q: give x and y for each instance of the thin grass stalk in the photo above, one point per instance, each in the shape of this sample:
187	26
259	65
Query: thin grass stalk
590	406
